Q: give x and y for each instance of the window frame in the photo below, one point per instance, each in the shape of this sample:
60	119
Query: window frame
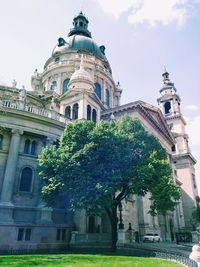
26	234
53	86
70	112
94	115
89	112
20	178
107	98
74	110
1	141
61	234
98	90
27	146
64	91
33	151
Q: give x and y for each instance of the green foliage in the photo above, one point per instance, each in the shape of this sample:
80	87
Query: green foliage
99	165
196	212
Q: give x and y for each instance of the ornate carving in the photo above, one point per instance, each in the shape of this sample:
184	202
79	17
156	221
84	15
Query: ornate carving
17	132
22	94
53	104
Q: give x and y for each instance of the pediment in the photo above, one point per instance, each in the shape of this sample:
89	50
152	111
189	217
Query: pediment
79	92
156	116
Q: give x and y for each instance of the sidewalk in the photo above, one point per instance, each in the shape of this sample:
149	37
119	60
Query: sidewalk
181	249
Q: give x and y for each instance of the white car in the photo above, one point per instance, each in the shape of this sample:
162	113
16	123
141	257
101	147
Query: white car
151	237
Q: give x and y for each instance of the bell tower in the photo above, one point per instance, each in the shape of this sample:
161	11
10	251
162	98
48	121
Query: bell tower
170	104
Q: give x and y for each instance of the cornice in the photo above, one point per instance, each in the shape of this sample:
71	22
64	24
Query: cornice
185	155
176	117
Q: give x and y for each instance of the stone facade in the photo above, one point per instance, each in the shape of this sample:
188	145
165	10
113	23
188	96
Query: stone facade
76	84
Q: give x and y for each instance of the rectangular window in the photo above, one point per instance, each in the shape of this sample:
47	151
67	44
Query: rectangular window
28	235
20	234
24	234
194	181
1	141
63	234
58	234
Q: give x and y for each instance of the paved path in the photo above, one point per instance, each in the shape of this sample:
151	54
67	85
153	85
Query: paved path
184	249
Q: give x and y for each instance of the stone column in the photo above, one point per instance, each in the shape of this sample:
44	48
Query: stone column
9	177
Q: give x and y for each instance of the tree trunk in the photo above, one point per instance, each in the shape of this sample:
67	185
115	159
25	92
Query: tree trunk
112	214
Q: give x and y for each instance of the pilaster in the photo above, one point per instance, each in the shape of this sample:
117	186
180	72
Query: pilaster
6	206
9	177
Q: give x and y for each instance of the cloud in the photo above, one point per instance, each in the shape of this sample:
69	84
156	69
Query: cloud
152	12
157	11
115	8
192	107
193	130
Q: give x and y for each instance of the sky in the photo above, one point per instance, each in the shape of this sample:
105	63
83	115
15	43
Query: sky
140	36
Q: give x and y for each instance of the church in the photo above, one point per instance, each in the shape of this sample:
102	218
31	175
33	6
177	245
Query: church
77	84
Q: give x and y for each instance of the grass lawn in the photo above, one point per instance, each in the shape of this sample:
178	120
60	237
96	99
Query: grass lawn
78	260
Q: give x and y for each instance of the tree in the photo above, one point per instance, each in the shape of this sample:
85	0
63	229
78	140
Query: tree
195	220
99	165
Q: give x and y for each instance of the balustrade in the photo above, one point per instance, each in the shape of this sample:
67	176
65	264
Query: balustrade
20	105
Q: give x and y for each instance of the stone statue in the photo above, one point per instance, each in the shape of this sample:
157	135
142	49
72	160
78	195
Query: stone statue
36	72
14	83
61	41
22	94
112	117
118	85
53	104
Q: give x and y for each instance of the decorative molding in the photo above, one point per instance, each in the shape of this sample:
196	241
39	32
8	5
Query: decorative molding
17	132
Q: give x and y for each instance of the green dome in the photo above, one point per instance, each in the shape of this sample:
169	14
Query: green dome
79	38
81	42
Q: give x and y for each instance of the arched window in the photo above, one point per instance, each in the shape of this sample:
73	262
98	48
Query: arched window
1	141
68	112
89	112
53	86
33	148
26	179
94	115
107	97
98	89
75	112
167	107
27	146
65	84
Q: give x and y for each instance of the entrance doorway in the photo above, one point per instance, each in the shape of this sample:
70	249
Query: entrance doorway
91	224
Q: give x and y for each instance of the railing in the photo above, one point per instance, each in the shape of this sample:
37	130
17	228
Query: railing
53	65
21	105
178	258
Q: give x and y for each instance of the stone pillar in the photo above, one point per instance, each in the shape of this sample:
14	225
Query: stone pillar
121	236
73	237
9	177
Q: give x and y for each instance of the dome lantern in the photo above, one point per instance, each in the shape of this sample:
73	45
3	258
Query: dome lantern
80	24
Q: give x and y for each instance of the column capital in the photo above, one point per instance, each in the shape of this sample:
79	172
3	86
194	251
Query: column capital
17	132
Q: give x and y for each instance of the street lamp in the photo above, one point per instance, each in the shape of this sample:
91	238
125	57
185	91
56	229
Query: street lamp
121	225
